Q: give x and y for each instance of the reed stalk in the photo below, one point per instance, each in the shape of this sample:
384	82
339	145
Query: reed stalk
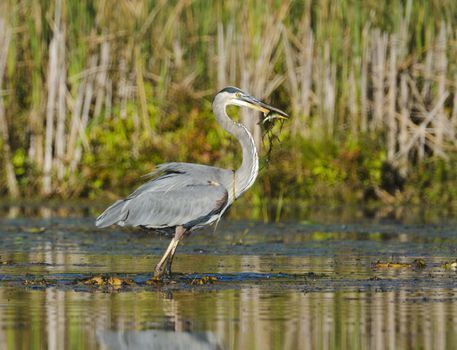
11	181
382	72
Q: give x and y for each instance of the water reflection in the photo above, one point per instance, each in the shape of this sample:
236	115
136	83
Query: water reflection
252	318
157	339
347	305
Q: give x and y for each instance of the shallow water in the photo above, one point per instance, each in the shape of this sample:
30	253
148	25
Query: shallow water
272	286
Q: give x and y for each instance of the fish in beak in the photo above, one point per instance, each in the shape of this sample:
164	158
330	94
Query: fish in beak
268	111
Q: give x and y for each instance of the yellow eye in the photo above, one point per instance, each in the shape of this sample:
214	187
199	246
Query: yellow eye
238	94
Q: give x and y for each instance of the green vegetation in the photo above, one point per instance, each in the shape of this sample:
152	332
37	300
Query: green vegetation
94	94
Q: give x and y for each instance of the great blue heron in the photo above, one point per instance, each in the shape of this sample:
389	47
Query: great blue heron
185	196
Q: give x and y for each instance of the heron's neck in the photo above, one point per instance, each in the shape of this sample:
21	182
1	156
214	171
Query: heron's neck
247	173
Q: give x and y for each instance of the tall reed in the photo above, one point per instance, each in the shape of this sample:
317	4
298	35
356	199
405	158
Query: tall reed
343	70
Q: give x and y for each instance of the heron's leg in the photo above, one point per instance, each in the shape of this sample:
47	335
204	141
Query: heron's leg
158	271
167	257
179	235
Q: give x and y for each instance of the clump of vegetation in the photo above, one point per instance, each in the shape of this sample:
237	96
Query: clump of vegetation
107	281
40	282
451	265
204	280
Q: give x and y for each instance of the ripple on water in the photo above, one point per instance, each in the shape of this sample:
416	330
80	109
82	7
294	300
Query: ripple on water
276	286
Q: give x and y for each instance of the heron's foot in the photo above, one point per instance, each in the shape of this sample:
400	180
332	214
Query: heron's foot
167	270
158	274
163	268
161	273
154	281
158	278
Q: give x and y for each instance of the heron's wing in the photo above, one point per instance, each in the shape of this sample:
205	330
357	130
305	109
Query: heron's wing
177	175
164	205
183	193
188	206
197	171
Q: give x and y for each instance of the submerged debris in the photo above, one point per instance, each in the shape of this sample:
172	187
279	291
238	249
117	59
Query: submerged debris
154	281
36	282
390	265
419	263
313	275
34	229
451	265
107	281
204	280
375	278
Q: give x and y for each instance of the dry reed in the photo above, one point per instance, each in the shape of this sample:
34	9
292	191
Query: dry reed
341	77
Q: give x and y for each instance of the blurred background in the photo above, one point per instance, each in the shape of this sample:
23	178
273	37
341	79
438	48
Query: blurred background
94	94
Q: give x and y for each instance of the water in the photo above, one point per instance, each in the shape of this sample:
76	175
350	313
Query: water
273	286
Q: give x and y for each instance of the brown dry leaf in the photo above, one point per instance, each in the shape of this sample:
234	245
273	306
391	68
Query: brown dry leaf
96	280
114	282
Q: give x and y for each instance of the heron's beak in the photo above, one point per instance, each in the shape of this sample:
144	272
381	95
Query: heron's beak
270	111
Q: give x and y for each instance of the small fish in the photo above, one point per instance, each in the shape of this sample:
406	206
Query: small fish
267	122
270	133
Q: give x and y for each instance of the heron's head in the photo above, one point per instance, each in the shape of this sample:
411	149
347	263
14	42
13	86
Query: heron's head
234	96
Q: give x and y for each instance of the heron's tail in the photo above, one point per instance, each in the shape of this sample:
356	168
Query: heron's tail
112	215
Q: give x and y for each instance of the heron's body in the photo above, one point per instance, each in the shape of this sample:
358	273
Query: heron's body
202	192
186	196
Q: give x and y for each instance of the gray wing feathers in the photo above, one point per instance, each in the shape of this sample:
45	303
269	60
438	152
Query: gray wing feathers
184	194
177	167
197	171
177	175
111	215
167	209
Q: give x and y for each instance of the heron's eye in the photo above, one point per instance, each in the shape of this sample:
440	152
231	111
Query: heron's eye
238	94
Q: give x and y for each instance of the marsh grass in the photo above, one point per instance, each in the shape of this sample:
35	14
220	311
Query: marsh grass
88	84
